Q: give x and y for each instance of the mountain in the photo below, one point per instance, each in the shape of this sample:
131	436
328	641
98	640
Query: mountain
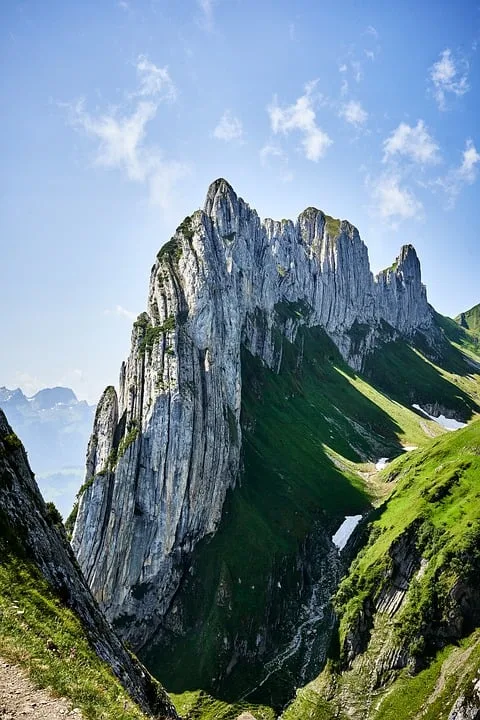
470	319
49	621
270	374
55	427
407	643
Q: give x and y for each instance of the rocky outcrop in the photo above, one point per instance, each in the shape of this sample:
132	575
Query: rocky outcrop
160	464
28	530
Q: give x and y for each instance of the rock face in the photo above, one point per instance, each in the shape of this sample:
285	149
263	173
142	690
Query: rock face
26	528
163	455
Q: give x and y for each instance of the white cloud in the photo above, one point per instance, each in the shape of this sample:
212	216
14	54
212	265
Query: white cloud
415	143
392	202
120	134
353	113
468	169
273	152
229	127
301	117
356	70
269	151
121	312
154	81
206	6
370	54
465	174
123	4
449	75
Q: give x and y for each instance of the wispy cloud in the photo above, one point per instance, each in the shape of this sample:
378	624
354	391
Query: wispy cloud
301	117
228	128
414	143
271	152
449	75
354	113
154	81
206	6
121	312
465	174
120	133
394	202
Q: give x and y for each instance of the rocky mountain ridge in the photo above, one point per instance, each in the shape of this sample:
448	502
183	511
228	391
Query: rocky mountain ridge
164	452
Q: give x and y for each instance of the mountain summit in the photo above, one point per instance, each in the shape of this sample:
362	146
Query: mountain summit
242	316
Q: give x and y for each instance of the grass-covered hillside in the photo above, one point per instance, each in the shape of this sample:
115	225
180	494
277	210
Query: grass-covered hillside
49	623
311	435
470	319
408	644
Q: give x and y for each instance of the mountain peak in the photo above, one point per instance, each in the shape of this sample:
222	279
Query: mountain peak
219	191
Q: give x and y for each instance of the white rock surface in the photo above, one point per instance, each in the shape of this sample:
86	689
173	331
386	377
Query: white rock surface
214	287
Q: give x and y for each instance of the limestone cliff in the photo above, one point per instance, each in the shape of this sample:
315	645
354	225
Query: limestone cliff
165	451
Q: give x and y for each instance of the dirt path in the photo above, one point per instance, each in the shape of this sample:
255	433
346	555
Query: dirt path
20	699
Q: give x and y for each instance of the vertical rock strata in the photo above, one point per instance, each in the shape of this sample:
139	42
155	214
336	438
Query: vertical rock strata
162	456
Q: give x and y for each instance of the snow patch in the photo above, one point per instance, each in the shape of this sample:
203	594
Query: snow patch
345	530
382	463
447	423
409	448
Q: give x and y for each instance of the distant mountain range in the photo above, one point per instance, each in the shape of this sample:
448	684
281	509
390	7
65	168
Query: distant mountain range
55	427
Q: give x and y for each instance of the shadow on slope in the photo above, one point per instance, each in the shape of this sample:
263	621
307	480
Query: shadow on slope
240	605
408	377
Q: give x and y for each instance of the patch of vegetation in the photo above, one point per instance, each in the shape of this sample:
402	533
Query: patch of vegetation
153	332
287	310
47	639
464	339
71	520
282	271
199	705
88	483
470	319
127	440
11	442
408	376
358	332
332	226
172	250
53	514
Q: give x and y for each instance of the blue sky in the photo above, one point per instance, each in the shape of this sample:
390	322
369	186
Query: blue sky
117	115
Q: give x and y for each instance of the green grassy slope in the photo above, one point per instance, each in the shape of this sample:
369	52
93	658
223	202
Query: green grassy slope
305	433
470	319
434	514
39	633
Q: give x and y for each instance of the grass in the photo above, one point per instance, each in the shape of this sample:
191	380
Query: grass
408	376
198	705
436	499
470	318
437	488
47	639
304	432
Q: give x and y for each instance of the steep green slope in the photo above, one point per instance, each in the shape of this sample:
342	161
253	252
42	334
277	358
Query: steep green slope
470	319
307	432
49	622
410	605
463	339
